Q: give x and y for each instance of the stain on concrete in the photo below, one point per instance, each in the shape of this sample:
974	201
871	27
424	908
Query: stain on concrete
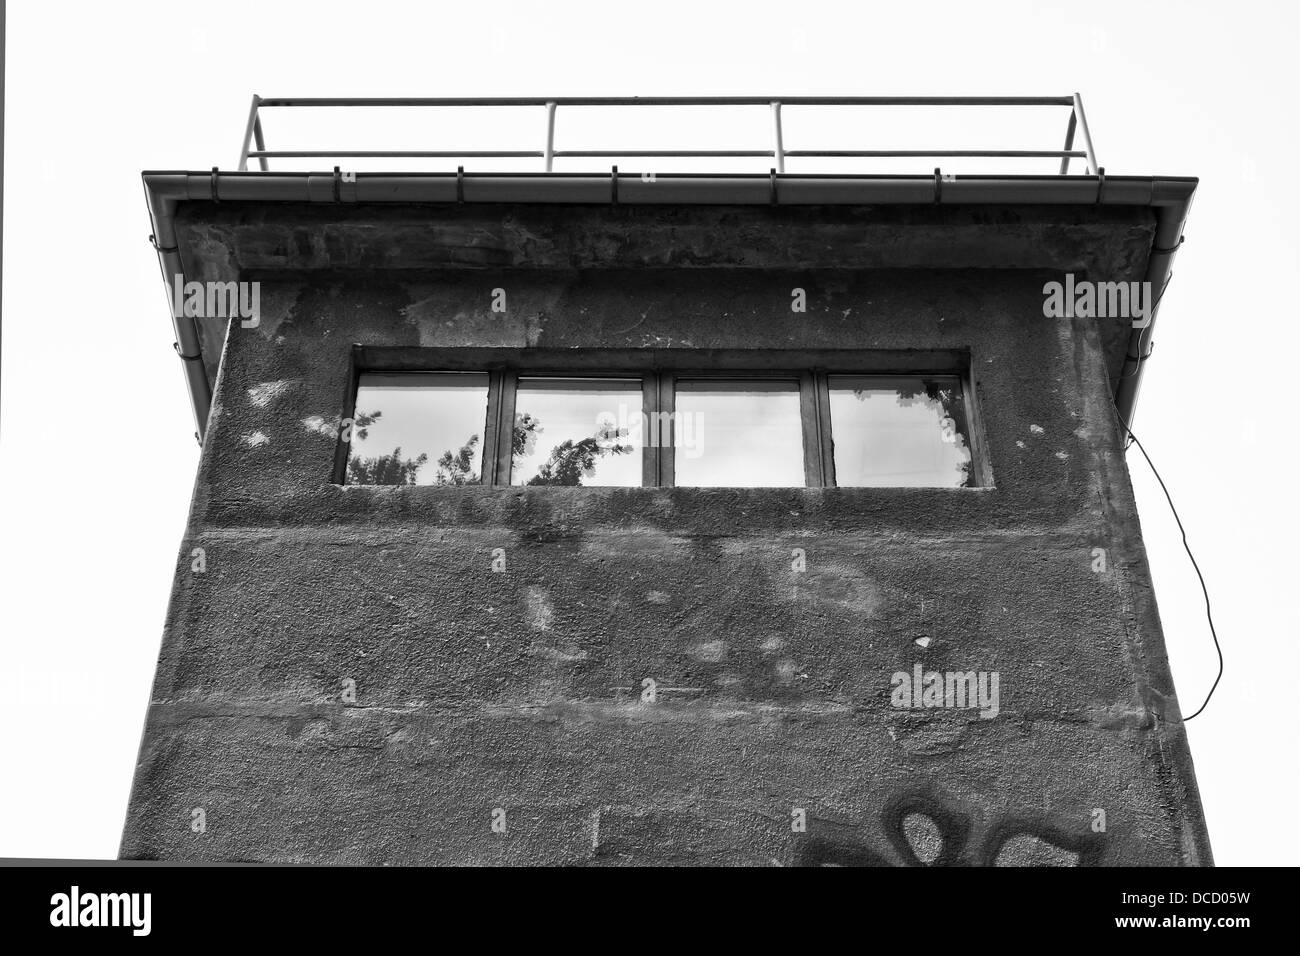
538	610
264	393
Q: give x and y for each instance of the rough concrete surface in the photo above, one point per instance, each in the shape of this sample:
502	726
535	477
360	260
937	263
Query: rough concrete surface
478	692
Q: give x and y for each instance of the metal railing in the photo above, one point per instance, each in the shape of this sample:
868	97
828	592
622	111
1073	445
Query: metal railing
254	146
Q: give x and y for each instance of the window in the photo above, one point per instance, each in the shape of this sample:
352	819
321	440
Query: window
900	432
738	434
418	428
700	419
572	431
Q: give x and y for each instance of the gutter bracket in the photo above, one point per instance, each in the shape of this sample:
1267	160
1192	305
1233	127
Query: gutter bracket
157	248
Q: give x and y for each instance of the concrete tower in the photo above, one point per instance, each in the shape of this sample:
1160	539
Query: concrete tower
607	518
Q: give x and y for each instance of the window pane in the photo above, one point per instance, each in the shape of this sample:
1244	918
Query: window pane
732	434
574	431
903	432
418	428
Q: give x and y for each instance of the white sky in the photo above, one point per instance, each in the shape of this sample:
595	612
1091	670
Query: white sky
98	455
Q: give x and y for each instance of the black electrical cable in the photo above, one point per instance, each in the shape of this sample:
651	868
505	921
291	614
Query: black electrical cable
1137	363
1209	616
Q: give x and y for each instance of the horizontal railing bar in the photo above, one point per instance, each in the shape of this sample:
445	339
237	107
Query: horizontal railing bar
674	101
989	153
397	154
666	153
661	153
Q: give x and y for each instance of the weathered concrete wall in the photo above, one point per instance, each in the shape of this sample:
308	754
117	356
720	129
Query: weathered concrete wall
519	690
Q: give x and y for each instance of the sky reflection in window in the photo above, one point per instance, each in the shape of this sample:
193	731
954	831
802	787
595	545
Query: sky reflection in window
734	434
572	431
418	428
899	431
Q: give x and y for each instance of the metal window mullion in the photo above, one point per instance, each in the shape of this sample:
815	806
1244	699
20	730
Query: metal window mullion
491	430
507	390
649	447
822	381
664	431
981	470
810	421
343	449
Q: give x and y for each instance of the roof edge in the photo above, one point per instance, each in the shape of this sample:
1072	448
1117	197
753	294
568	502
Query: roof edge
634	187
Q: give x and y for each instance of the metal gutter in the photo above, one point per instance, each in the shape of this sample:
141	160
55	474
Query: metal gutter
1169	197
162	210
1171	217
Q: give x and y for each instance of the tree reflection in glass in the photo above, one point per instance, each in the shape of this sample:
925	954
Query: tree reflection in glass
418	415
900	431
573	431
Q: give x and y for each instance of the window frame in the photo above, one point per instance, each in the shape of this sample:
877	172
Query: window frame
509	400
980	474
659	370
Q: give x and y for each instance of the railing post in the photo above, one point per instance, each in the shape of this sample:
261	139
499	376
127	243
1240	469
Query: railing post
1087	137
261	143
550	135
779	152
1069	143
248	134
